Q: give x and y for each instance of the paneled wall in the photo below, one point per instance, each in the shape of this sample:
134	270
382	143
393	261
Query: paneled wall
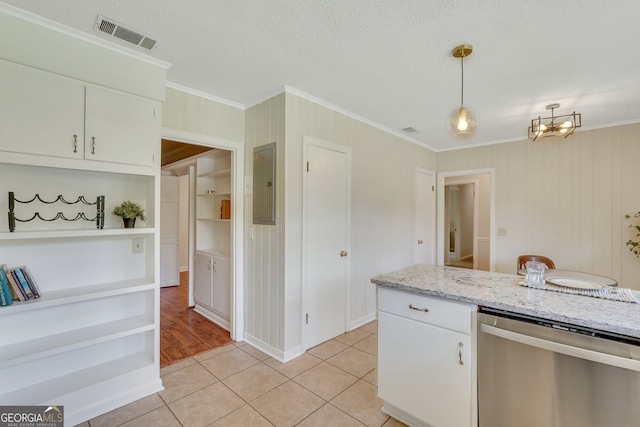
264	253
564	198
382	220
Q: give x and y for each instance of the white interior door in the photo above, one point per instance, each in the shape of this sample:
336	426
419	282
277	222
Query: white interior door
326	241
425	197
169	237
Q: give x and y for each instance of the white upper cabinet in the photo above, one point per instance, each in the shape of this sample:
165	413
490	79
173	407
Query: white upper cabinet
120	128
45	115
55	116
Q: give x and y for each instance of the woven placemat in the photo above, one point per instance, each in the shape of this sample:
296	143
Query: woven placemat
611	293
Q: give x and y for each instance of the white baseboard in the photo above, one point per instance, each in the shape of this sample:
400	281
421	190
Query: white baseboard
354	324
213	316
279	355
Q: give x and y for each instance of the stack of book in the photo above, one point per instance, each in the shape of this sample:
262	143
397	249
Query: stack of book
17	284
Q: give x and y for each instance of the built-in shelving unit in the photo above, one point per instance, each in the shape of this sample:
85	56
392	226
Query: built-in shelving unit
90	342
213	237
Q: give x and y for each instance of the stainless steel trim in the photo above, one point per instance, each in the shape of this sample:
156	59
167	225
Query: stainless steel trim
582	353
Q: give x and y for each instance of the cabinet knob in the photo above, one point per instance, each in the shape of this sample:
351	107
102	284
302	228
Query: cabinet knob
420	242
343	253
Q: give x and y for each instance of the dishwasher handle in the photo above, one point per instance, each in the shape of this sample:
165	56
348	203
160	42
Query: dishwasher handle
594	356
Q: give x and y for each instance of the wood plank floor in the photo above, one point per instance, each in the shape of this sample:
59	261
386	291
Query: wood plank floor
183	332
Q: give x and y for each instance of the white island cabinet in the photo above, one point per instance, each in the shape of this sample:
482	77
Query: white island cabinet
426	359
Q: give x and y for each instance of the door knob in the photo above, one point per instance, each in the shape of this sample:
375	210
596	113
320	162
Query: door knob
343	253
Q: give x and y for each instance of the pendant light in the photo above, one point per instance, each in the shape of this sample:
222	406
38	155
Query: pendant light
462	121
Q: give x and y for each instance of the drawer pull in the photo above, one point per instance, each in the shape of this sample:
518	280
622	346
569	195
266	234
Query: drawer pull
460	345
412	307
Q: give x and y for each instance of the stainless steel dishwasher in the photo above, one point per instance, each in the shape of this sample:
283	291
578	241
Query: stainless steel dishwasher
534	372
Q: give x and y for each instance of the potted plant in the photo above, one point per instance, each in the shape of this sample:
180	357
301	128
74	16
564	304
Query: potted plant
634	245
129	211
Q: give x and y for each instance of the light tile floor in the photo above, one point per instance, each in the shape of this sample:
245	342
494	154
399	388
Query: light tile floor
333	384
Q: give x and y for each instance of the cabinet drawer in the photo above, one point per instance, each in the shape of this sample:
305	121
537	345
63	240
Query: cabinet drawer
443	313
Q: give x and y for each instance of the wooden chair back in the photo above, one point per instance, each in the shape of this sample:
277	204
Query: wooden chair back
522	261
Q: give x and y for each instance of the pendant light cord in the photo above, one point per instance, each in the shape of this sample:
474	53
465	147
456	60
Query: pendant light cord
462	83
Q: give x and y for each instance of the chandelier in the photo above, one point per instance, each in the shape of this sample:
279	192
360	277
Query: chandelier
462	121
543	127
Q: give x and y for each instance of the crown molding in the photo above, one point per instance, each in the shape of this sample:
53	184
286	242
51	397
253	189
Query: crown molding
205	95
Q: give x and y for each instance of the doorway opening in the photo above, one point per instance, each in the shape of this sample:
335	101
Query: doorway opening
461	224
466	219
184	330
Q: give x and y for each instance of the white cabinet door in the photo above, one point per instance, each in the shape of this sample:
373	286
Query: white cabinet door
221	286
169	239
203	288
40	113
121	128
54	116
425	204
327	239
419	370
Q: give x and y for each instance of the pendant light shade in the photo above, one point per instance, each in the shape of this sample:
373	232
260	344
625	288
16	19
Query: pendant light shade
462	121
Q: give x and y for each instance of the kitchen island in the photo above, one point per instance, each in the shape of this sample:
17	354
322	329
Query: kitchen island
428	335
502	291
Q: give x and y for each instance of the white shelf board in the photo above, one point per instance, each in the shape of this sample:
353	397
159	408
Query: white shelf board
57	234
81	293
51	345
214	219
49	390
215	174
214	252
223	194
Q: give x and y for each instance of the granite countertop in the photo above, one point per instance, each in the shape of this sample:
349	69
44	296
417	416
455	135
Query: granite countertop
502	291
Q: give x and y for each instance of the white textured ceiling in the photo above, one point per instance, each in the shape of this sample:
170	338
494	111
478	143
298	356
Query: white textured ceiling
389	61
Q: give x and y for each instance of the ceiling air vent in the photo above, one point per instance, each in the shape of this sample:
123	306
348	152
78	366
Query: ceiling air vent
111	27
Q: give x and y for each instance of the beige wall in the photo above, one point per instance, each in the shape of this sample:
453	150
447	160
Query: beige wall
190	113
382	220
564	198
